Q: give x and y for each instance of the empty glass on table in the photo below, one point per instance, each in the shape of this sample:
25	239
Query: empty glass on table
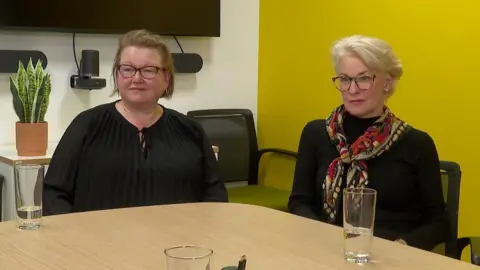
189	257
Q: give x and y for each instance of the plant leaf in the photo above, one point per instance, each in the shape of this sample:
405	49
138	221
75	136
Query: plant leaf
17	102
47	84
38	102
39	74
31	91
20	80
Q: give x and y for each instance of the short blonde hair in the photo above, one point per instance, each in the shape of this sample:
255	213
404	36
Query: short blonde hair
375	53
145	39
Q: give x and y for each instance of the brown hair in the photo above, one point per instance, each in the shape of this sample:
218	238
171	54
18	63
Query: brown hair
145	39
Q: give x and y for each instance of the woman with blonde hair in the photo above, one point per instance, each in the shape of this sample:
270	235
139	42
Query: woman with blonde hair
363	144
134	151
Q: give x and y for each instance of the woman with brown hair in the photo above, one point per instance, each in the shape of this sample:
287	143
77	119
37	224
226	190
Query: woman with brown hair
134	151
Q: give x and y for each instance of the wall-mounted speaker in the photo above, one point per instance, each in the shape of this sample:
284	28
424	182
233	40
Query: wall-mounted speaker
187	62
90	63
9	59
88	70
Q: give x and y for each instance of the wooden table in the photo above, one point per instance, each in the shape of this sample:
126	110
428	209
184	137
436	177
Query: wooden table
135	238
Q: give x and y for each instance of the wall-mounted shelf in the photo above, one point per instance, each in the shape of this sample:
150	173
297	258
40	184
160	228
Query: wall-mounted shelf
187	62
9	59
184	62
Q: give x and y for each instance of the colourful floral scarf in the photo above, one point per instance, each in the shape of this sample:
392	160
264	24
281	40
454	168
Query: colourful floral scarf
377	139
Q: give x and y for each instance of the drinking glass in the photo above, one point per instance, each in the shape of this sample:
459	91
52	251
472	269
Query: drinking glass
28	195
358	222
189	258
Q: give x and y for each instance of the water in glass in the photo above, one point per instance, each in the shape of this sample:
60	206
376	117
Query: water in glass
29	217
358	244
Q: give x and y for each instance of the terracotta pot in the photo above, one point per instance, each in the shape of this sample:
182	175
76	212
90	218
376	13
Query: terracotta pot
31	139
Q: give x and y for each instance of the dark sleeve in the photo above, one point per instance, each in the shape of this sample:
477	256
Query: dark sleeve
215	190
59	181
435	227
303	190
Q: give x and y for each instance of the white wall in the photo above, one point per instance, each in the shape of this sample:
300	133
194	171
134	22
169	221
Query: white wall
228	78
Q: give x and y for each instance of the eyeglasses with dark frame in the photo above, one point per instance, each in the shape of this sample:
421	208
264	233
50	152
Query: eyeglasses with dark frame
363	82
147	72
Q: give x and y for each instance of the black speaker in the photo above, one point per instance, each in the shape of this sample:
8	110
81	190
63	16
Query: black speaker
89	69
9	59
90	63
187	62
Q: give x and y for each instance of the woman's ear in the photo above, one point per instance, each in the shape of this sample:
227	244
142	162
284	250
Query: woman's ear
389	83
167	78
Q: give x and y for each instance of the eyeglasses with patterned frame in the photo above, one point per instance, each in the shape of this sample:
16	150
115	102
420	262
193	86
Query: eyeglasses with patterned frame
147	72
363	82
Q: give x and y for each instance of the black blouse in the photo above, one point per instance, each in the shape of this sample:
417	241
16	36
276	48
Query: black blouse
100	164
407	178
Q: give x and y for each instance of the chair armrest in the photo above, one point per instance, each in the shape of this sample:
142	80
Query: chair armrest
449	166
475	250
474	243
277	151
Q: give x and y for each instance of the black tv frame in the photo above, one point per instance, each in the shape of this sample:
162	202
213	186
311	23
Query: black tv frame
100	32
216	32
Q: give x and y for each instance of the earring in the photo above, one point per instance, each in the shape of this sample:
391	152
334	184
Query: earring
386	89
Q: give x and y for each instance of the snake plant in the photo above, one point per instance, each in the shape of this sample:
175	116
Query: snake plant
30	88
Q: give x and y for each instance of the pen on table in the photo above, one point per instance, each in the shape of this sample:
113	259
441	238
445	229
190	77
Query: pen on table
242	263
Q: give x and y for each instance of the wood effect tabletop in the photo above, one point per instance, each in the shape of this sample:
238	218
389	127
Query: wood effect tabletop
135	238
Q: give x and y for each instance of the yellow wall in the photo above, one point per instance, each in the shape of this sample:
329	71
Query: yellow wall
439	44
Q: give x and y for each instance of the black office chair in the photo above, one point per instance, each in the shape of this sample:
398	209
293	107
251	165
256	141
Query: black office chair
451	179
233	131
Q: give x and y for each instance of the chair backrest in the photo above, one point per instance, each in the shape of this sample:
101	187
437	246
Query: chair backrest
233	131
451	177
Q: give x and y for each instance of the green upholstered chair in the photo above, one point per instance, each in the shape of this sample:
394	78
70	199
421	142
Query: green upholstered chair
233	131
451	179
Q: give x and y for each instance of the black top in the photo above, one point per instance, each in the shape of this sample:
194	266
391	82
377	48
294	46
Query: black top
407	178
100	164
